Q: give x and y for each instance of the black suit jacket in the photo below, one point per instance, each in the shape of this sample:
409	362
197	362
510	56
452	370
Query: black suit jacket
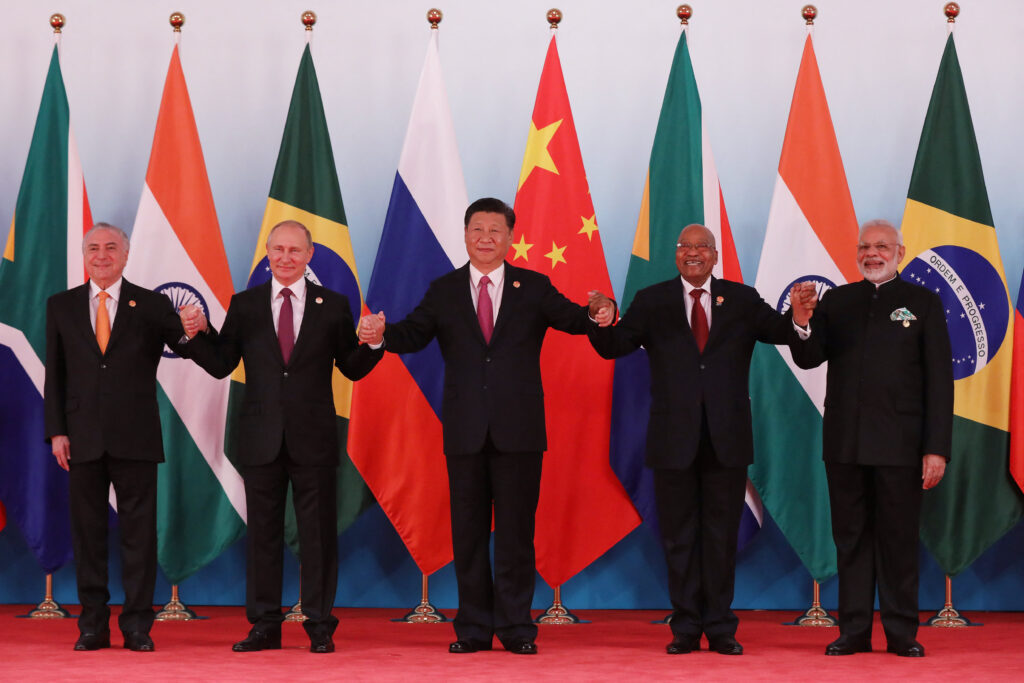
106	403
293	401
494	386
889	397
685	381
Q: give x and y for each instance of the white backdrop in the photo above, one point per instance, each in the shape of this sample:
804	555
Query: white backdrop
240	59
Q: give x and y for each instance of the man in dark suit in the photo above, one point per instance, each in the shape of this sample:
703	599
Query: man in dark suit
104	340
290	334
887	432
490	319
699	333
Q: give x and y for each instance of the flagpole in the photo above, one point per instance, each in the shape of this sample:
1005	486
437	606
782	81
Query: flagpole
948	616
816	615
295	613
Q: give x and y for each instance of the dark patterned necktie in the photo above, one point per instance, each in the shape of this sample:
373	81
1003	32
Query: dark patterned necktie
698	319
286	325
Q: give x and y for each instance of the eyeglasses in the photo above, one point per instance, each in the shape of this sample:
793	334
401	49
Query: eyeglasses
700	246
880	247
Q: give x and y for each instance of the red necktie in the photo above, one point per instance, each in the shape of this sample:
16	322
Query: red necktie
286	325
485	310
698	319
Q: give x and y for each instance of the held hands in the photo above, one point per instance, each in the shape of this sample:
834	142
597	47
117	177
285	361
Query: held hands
602	309
61	447
932	468
371	328
192	319
803	299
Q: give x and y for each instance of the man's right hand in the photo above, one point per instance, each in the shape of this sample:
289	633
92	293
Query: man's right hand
192	319
371	328
61	446
803	298
602	309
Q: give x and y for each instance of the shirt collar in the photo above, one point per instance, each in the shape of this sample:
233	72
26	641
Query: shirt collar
687	287
113	290
496	275
879	285
298	288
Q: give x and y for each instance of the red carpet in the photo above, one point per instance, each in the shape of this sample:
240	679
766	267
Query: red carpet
617	645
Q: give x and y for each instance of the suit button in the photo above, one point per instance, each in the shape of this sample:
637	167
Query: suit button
487	360
103	366
701	366
286	374
485	386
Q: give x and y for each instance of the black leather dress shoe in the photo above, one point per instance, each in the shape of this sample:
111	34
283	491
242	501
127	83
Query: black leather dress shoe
682	646
522	647
464	647
92	641
321	645
913	649
259	640
846	646
725	645
137	641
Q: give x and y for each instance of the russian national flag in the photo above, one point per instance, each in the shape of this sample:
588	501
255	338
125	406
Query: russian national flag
395	429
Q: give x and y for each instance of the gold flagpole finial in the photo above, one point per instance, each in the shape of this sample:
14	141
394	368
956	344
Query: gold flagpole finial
952	11
554	17
434	16
57	21
684	12
809	13
309	19
177	20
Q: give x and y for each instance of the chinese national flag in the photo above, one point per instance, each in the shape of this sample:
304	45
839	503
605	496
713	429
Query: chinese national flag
583	509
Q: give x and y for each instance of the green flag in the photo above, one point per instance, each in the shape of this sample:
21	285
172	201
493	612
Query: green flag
948	230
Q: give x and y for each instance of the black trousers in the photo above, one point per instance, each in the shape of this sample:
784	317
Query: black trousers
314	496
511	483
135	487
699	511
876	517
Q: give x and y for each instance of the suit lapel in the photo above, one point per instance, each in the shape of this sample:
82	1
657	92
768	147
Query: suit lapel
265	318
310	319
463	299
719	311
81	313
125	314
510	297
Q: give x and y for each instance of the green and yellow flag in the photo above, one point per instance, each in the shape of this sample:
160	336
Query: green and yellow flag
305	188
952	249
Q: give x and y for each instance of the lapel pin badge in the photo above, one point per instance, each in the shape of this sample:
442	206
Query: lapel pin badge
132	303
902	314
319	299
719	300
516	284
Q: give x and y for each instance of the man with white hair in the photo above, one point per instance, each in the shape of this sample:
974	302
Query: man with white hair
886	435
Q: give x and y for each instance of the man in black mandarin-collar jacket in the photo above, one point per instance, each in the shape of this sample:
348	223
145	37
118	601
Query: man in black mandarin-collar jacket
287	432
887	434
699	437
492	419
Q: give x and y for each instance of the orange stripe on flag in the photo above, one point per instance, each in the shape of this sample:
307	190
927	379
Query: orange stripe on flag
811	161
177	177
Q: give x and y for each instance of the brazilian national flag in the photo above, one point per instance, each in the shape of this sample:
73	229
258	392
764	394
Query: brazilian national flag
952	249
305	189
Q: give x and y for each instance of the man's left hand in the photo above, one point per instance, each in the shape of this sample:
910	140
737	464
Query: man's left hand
932	468
602	309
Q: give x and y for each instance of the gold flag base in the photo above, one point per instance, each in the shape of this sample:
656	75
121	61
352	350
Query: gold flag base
423	613
558	613
816	615
948	616
48	608
175	609
295	613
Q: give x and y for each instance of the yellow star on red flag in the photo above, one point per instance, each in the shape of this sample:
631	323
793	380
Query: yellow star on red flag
589	227
556	255
521	248
537	154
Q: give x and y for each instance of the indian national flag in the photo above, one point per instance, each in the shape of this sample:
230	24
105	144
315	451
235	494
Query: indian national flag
811	236
177	250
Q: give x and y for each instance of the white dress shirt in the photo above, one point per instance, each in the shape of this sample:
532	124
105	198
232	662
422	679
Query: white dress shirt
495	288
705	299
114	291
298	289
